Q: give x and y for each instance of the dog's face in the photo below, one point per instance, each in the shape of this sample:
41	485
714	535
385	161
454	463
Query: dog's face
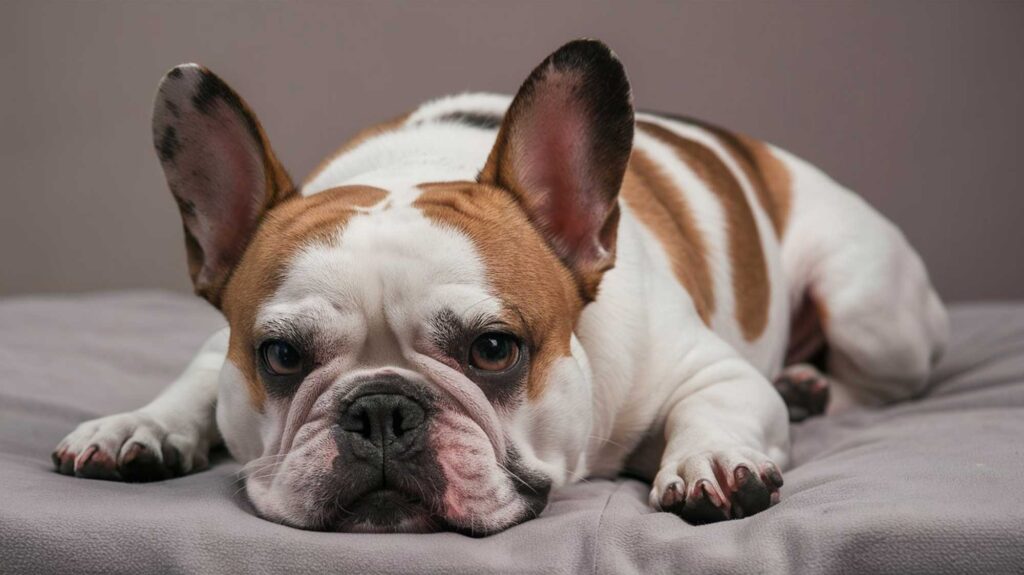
407	378
402	356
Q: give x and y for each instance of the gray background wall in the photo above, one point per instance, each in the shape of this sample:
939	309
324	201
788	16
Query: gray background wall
917	105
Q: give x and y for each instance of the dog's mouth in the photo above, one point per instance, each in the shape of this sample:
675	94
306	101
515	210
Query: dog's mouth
386	511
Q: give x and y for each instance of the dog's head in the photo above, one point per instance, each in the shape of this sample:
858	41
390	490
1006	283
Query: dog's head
402	357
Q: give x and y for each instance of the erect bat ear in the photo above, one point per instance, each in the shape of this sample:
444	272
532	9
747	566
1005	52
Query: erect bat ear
220	169
563	149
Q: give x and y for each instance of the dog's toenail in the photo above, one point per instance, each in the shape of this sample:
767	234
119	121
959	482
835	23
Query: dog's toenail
742	474
134	451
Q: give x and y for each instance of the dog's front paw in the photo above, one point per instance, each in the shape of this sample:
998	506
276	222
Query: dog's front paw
719	485
127	447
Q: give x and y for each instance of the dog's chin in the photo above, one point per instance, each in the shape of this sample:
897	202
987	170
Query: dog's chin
391	511
387	511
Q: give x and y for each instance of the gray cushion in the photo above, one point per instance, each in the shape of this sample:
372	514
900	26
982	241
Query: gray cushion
925	487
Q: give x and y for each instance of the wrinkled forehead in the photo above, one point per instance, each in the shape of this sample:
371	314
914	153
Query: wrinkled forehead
389	267
375	247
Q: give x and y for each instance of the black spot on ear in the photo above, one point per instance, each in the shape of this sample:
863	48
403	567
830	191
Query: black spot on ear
175	73
172	108
208	92
212	89
187	207
169	145
474	119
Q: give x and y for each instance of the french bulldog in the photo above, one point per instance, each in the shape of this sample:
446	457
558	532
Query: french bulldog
489	298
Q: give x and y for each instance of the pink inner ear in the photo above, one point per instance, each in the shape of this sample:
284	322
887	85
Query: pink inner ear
554	145
246	180
220	170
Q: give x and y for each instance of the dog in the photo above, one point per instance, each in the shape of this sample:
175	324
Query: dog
489	298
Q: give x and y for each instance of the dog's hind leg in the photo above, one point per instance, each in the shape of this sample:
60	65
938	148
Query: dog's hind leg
859	289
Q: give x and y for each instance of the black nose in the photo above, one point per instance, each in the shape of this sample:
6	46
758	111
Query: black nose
387	425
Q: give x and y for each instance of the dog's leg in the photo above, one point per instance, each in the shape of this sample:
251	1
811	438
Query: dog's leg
804	389
727	437
865	288
170	436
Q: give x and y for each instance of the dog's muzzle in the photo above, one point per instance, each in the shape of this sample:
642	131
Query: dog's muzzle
384	463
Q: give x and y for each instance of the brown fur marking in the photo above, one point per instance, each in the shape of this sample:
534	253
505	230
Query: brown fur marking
767	173
663	209
284	230
522	269
750	283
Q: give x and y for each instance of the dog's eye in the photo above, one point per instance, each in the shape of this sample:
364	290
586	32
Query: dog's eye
494	352
280	358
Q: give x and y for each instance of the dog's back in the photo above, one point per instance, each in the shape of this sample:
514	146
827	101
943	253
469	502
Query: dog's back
762	248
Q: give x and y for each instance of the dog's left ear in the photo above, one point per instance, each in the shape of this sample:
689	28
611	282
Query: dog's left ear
220	169
562	151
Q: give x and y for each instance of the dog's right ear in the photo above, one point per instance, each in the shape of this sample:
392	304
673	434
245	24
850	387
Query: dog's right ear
562	151
220	168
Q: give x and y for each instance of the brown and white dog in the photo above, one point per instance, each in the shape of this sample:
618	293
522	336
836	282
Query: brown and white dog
490	297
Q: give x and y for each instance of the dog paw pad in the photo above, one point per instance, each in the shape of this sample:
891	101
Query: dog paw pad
805	391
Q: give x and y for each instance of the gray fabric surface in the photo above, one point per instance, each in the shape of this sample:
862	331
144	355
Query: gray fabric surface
936	485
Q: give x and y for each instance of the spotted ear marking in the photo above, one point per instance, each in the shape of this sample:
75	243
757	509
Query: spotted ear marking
562	150
220	169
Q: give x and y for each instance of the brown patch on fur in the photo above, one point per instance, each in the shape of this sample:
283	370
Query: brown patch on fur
749	269
284	230
772	182
360	137
521	268
663	209
767	174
